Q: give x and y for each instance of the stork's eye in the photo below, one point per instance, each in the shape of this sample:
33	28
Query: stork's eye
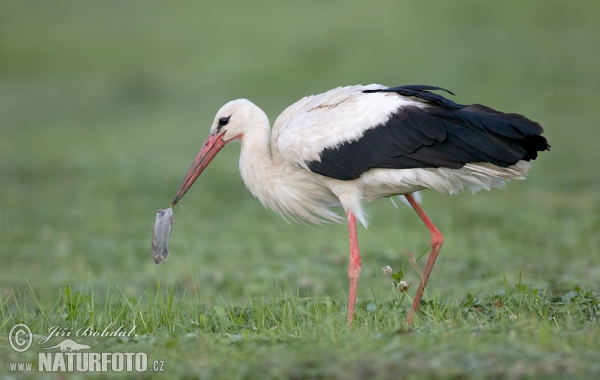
224	121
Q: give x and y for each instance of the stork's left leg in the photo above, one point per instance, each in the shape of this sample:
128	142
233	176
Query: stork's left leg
353	267
436	244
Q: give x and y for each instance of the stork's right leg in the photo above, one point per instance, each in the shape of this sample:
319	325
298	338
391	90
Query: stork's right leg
353	267
436	244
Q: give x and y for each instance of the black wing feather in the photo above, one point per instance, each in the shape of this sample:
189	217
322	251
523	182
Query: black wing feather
441	134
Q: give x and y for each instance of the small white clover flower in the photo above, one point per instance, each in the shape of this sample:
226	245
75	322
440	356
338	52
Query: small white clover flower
387	270
402	286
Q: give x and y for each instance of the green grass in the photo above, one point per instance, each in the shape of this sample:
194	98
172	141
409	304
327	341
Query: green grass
518	331
103	106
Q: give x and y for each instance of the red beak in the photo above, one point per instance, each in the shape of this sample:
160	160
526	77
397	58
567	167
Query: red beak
209	150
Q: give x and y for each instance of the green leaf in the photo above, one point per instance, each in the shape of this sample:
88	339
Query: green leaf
398	276
567	297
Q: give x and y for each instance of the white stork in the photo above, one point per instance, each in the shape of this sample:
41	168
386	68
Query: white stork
355	144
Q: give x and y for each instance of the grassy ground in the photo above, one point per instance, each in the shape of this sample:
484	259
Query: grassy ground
103	106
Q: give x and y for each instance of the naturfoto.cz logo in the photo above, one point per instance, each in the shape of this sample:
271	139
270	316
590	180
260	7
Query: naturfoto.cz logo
69	355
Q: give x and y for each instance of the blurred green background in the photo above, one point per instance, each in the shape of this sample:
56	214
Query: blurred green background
103	106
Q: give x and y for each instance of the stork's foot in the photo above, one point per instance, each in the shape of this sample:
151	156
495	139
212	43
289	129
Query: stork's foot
352	297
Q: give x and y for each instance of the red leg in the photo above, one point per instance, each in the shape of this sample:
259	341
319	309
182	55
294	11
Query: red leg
436	243
353	267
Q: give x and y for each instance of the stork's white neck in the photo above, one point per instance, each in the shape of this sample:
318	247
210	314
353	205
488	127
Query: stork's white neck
256	162
279	185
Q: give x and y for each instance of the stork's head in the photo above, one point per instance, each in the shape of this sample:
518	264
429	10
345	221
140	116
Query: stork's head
230	123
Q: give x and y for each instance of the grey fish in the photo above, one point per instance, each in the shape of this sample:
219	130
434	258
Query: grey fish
160	235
